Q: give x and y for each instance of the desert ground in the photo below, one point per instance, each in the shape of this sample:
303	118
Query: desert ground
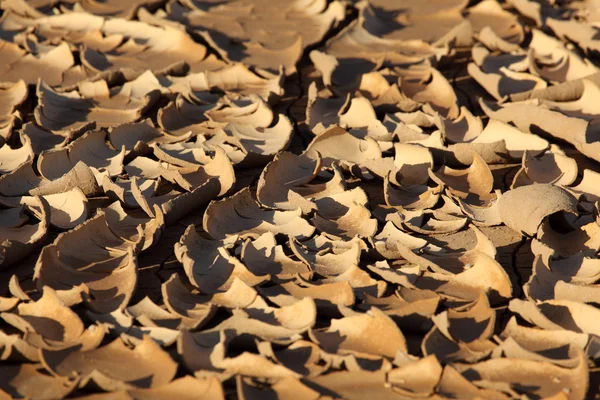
299	199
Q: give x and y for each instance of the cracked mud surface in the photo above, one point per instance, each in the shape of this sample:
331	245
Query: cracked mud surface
308	199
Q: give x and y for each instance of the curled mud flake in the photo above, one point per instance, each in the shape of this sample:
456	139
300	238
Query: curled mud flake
11	158
344	215
263	256
19	241
43	140
536	119
411	163
67	209
206	354
472	322
80	176
137	136
281	176
541	340
184	388
540	378
48	65
587	187
115	107
523	209
232	79
122	190
48	322
90	149
551	167
284	388
516	142
12	95
411	197
241	214
337	145
145	366
190	178
184	304
502	22
493	42
24	380
372	332
390	237
209	264
355	384
434	90
463	129
106	269
469	273
324	294
418	378
327	262
476	180
259	144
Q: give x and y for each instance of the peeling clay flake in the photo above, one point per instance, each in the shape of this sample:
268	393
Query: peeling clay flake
306	199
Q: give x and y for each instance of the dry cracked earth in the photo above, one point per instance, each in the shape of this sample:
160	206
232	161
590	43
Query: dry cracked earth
299	199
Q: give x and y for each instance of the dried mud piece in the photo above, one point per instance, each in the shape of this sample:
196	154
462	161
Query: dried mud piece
107	269
344	215
165	47
263	256
137	137
434	90
505	82
325	295
235	79
266	35
338	145
411	197
482	273
523	209
43	140
13	157
183	388
192	177
329	261
476	180
533	375
516	142
372	332
411	162
241	214
279	178
49	65
12	96
551	167
209	264
258	145
353	385
113	8
205	354
537	119
103	106
90	149
80	176
114	366
18	241
411	309
284	388
25	380
48	324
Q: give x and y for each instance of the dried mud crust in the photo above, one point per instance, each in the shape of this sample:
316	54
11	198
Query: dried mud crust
301	199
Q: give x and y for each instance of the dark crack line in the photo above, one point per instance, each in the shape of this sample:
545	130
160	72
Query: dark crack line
515	268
